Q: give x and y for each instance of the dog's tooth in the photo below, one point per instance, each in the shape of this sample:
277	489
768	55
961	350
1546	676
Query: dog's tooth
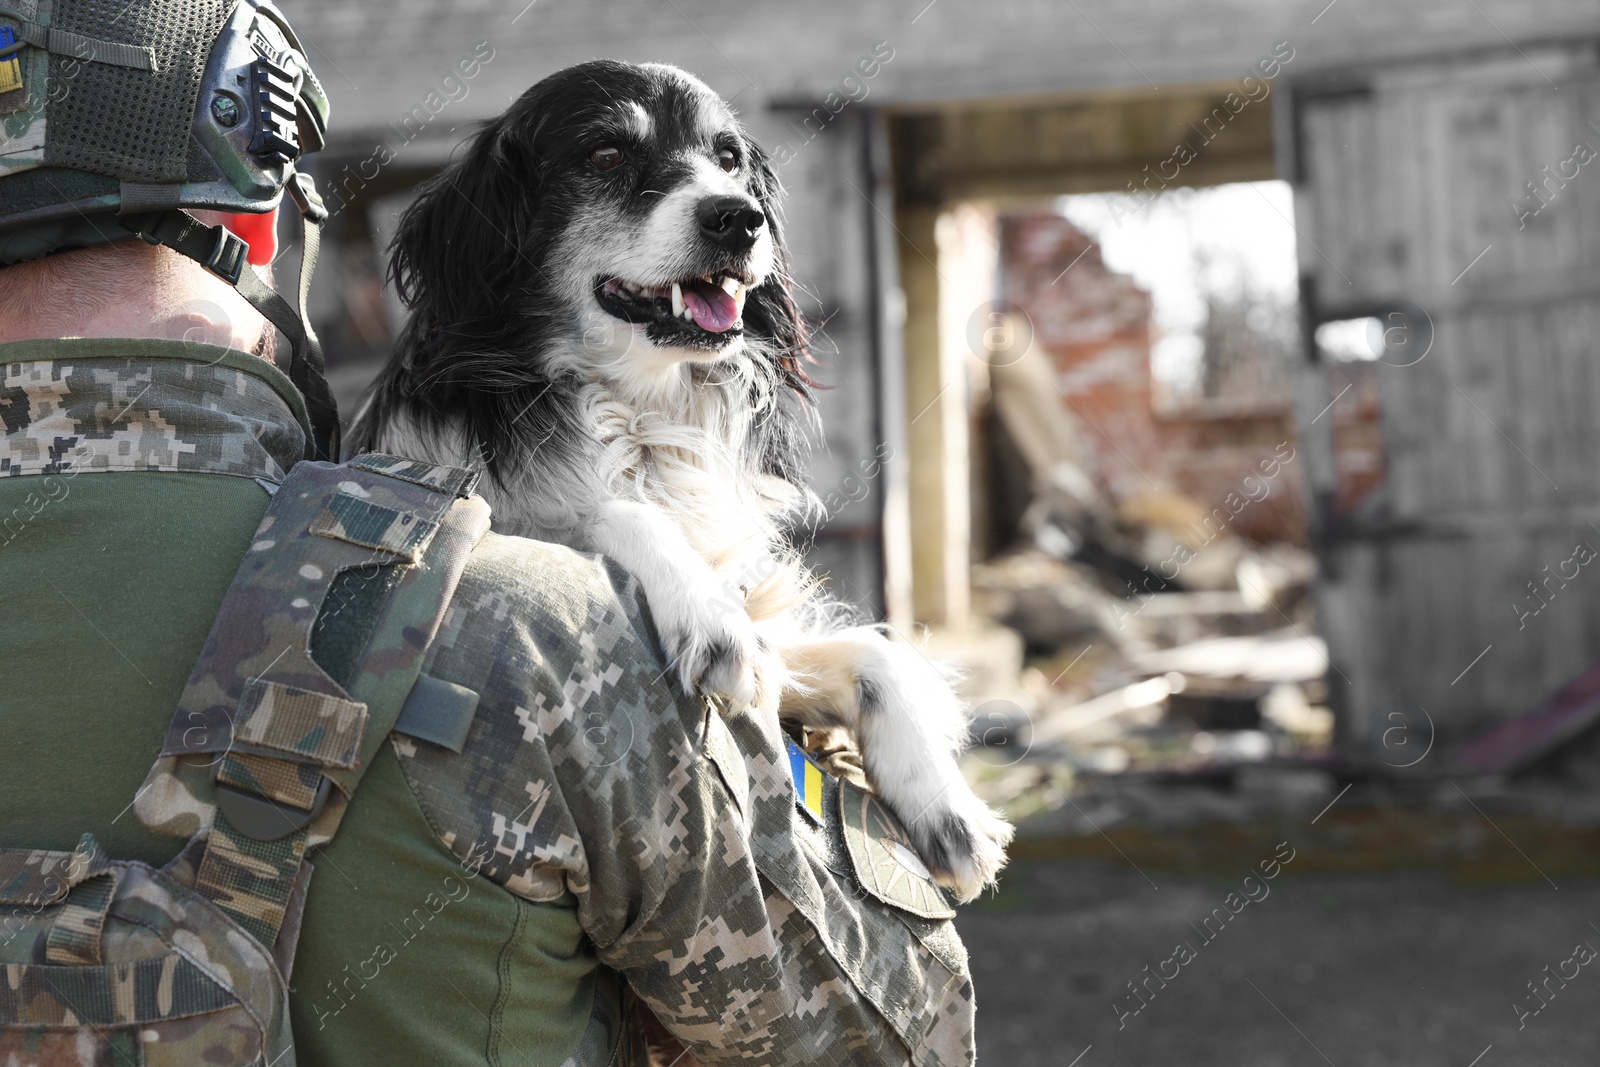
632	287
678	306
730	285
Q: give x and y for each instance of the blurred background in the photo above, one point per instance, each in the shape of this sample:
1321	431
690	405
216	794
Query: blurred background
1213	381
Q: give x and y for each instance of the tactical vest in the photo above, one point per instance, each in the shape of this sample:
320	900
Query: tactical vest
134	966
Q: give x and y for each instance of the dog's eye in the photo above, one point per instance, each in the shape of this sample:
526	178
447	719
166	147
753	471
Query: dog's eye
606	158
728	159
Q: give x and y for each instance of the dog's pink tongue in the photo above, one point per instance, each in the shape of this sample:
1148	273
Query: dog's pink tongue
711	307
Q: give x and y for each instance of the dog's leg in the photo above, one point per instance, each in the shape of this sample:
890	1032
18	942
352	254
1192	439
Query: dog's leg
910	726
702	621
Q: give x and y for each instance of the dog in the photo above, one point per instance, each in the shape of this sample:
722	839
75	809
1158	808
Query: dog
603	318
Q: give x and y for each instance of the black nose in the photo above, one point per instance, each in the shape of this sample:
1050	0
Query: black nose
731	221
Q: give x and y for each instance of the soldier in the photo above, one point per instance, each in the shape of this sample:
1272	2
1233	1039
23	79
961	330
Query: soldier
557	830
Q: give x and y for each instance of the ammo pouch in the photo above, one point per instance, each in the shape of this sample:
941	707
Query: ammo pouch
137	967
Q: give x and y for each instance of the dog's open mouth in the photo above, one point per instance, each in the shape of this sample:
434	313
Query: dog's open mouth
706	311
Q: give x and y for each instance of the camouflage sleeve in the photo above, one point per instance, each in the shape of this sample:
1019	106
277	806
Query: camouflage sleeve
757	932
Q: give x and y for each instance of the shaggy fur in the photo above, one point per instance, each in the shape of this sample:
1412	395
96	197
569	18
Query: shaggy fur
548	344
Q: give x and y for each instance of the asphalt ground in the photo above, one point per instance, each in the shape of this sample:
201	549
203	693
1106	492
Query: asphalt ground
1388	940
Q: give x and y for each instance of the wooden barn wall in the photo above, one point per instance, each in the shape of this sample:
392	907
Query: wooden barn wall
831	234
1407	180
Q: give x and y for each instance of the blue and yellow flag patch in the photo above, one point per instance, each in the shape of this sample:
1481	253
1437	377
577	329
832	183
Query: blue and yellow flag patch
807	782
10	64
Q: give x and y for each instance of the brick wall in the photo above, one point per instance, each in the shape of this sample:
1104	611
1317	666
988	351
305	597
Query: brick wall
1094	324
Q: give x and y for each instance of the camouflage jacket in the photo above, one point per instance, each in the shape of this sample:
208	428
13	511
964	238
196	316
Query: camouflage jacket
588	784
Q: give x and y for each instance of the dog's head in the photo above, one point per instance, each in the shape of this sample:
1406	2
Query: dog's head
617	219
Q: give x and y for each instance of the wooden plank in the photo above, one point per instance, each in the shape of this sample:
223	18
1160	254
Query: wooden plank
827	224
925	389
1082	143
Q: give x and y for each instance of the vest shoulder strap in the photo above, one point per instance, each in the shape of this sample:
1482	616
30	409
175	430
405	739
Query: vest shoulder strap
268	745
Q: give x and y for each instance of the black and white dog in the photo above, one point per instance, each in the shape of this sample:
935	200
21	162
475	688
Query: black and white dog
602	317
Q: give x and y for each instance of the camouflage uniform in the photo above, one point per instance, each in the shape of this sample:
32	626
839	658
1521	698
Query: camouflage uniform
588	789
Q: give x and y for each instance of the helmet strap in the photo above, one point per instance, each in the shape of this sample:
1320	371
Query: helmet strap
226	255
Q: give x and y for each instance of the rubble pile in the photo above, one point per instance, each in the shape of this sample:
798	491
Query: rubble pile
1148	638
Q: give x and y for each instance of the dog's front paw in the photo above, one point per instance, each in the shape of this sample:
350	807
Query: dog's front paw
715	649
961	841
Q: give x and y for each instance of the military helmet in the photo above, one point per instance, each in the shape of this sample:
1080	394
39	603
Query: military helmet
116	117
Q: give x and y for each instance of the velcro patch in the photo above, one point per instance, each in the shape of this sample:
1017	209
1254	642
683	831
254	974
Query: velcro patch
438	712
886	863
298	722
347	517
456	481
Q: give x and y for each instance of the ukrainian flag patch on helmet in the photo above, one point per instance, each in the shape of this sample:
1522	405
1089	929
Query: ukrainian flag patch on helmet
807	782
11	63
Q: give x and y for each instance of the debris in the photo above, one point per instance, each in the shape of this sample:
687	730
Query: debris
1282	656
1206	704
1142	702
1232	746
1287	707
1277	577
1184	618
1177	540
1052	603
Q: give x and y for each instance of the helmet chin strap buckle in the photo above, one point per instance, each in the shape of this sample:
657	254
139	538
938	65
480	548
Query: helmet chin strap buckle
303	191
228	256
213	247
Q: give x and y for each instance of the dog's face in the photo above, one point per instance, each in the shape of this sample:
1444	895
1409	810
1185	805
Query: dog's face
617	211
666	227
615	224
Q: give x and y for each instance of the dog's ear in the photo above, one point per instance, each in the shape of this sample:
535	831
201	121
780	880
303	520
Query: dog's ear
475	211
770	310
